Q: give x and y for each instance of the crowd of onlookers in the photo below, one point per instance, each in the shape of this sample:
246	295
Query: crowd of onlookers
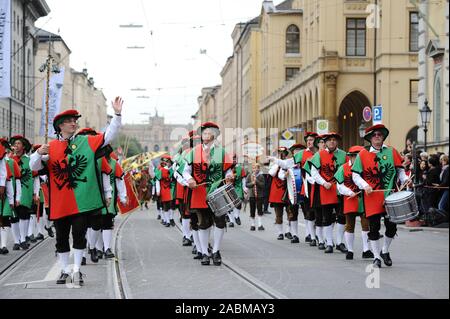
430	185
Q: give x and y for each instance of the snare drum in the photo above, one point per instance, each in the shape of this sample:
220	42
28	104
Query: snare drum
294	185
401	206
223	200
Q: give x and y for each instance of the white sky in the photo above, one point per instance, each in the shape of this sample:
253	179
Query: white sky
174	32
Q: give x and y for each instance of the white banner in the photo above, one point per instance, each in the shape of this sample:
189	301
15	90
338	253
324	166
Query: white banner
54	102
5	48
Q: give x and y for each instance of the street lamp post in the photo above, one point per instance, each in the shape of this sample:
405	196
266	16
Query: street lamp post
425	114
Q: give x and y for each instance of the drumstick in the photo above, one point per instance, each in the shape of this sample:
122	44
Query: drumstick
409	179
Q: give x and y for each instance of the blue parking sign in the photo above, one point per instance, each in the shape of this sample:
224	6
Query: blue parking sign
377	114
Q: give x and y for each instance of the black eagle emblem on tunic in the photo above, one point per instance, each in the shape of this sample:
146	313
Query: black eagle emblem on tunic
328	171
26	176
200	170
348	182
379	176
68	173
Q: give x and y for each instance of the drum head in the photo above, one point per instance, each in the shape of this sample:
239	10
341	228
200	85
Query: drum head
398	196
292	189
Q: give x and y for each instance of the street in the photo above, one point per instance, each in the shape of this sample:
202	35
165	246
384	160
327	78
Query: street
152	264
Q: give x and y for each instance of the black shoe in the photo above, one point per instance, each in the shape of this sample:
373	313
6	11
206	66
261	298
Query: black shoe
367	254
83	261
24	246
172	223
321	246
198	256
49	231
167	224
231	225
146	205
280	237
33	239
40	237
94	256
238	221
329	250
27	239
77	279
159	217
109	254
377	262
313	243
295	240
342	248
62	279
349	255
267	212
205	260
186	242
99	254
4	251
217	259
253	228
308	239
387	259
16	247
288	235
261	227
194	250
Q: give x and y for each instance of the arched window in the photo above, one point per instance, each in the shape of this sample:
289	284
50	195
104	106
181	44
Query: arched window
293	39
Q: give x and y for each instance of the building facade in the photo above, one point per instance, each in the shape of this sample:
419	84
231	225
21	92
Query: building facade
17	112
79	91
156	135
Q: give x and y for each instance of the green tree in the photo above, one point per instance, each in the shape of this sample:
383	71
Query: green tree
134	147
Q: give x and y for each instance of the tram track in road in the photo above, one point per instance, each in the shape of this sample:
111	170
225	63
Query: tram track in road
265	290
18	260
121	289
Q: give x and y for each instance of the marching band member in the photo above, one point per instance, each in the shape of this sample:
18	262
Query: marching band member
72	168
277	190
6	197
293	209
324	165
165	183
255	185
353	205
207	165
21	147
375	169
9	216
238	180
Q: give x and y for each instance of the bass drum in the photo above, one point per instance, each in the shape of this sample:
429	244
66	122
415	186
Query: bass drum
294	185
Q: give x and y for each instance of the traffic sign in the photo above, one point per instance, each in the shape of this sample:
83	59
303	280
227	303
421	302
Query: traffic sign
287	135
322	127
377	114
367	114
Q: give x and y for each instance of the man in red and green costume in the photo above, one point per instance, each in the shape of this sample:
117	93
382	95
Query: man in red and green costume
21	147
74	183
165	188
324	165
238	180
277	191
377	168
207	165
118	192
353	205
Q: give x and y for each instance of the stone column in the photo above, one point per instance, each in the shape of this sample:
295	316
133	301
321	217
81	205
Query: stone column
330	108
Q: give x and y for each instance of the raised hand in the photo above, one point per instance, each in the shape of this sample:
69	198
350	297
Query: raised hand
117	105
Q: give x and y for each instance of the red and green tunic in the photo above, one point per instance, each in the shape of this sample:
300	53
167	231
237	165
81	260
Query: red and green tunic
240	174
344	176
5	208
277	189
327	164
116	172
26	180
379	170
167	184
75	181
301	158
207	169
181	189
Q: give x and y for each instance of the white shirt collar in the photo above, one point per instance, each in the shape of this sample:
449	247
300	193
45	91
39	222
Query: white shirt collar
374	150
